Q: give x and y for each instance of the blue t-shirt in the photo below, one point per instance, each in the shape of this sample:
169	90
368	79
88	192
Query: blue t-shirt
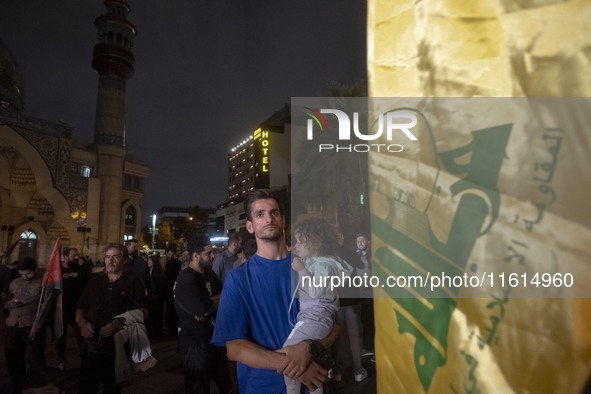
255	306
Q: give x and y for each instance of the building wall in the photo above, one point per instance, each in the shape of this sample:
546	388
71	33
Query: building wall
241	171
280	159
31	199
234	217
262	160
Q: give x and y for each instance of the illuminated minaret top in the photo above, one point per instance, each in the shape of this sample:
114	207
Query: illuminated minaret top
113	60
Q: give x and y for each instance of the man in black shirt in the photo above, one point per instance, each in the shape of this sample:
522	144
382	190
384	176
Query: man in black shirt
74	280
171	271
196	297
137	265
106	296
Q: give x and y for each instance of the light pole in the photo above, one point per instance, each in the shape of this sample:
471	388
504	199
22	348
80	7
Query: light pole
153	230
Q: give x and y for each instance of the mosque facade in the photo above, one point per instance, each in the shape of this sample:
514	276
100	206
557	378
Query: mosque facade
53	186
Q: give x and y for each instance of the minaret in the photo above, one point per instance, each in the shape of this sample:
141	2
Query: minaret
113	60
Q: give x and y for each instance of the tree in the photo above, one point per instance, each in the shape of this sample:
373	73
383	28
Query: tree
185	227
160	238
335	182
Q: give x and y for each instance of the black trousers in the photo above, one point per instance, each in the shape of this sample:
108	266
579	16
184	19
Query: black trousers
367	319
97	368
20	351
171	320
202	362
155	321
60	343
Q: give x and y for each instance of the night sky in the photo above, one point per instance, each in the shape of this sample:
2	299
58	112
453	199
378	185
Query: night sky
207	73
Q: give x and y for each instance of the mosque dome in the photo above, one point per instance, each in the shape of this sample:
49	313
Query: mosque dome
11	80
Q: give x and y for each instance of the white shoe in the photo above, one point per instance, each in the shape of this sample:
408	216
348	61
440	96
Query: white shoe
366	352
361	375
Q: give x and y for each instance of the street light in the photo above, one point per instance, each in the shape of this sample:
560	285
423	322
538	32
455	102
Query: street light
171	232
153	229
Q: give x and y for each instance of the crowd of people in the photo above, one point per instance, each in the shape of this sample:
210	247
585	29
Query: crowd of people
245	313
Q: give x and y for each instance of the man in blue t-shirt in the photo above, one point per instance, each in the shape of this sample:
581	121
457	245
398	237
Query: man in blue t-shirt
254	316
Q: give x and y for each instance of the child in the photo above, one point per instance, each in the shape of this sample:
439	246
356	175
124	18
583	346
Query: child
315	246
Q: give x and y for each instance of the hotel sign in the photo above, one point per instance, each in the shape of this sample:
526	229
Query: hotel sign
261	138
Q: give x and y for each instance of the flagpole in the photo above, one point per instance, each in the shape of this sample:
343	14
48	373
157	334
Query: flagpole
8	251
40	301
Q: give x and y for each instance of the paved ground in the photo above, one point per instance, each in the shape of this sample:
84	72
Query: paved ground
166	377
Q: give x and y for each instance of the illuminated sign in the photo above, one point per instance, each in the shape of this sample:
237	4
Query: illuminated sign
262	137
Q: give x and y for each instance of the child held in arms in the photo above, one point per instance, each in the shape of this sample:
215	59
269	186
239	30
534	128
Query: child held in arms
315	262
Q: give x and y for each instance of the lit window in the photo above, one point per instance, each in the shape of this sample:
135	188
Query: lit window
28	234
85	171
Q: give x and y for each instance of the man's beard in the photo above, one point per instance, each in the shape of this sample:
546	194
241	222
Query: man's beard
134	254
271	238
113	269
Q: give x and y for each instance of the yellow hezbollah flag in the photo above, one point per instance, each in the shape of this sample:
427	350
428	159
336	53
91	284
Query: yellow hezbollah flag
504	193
